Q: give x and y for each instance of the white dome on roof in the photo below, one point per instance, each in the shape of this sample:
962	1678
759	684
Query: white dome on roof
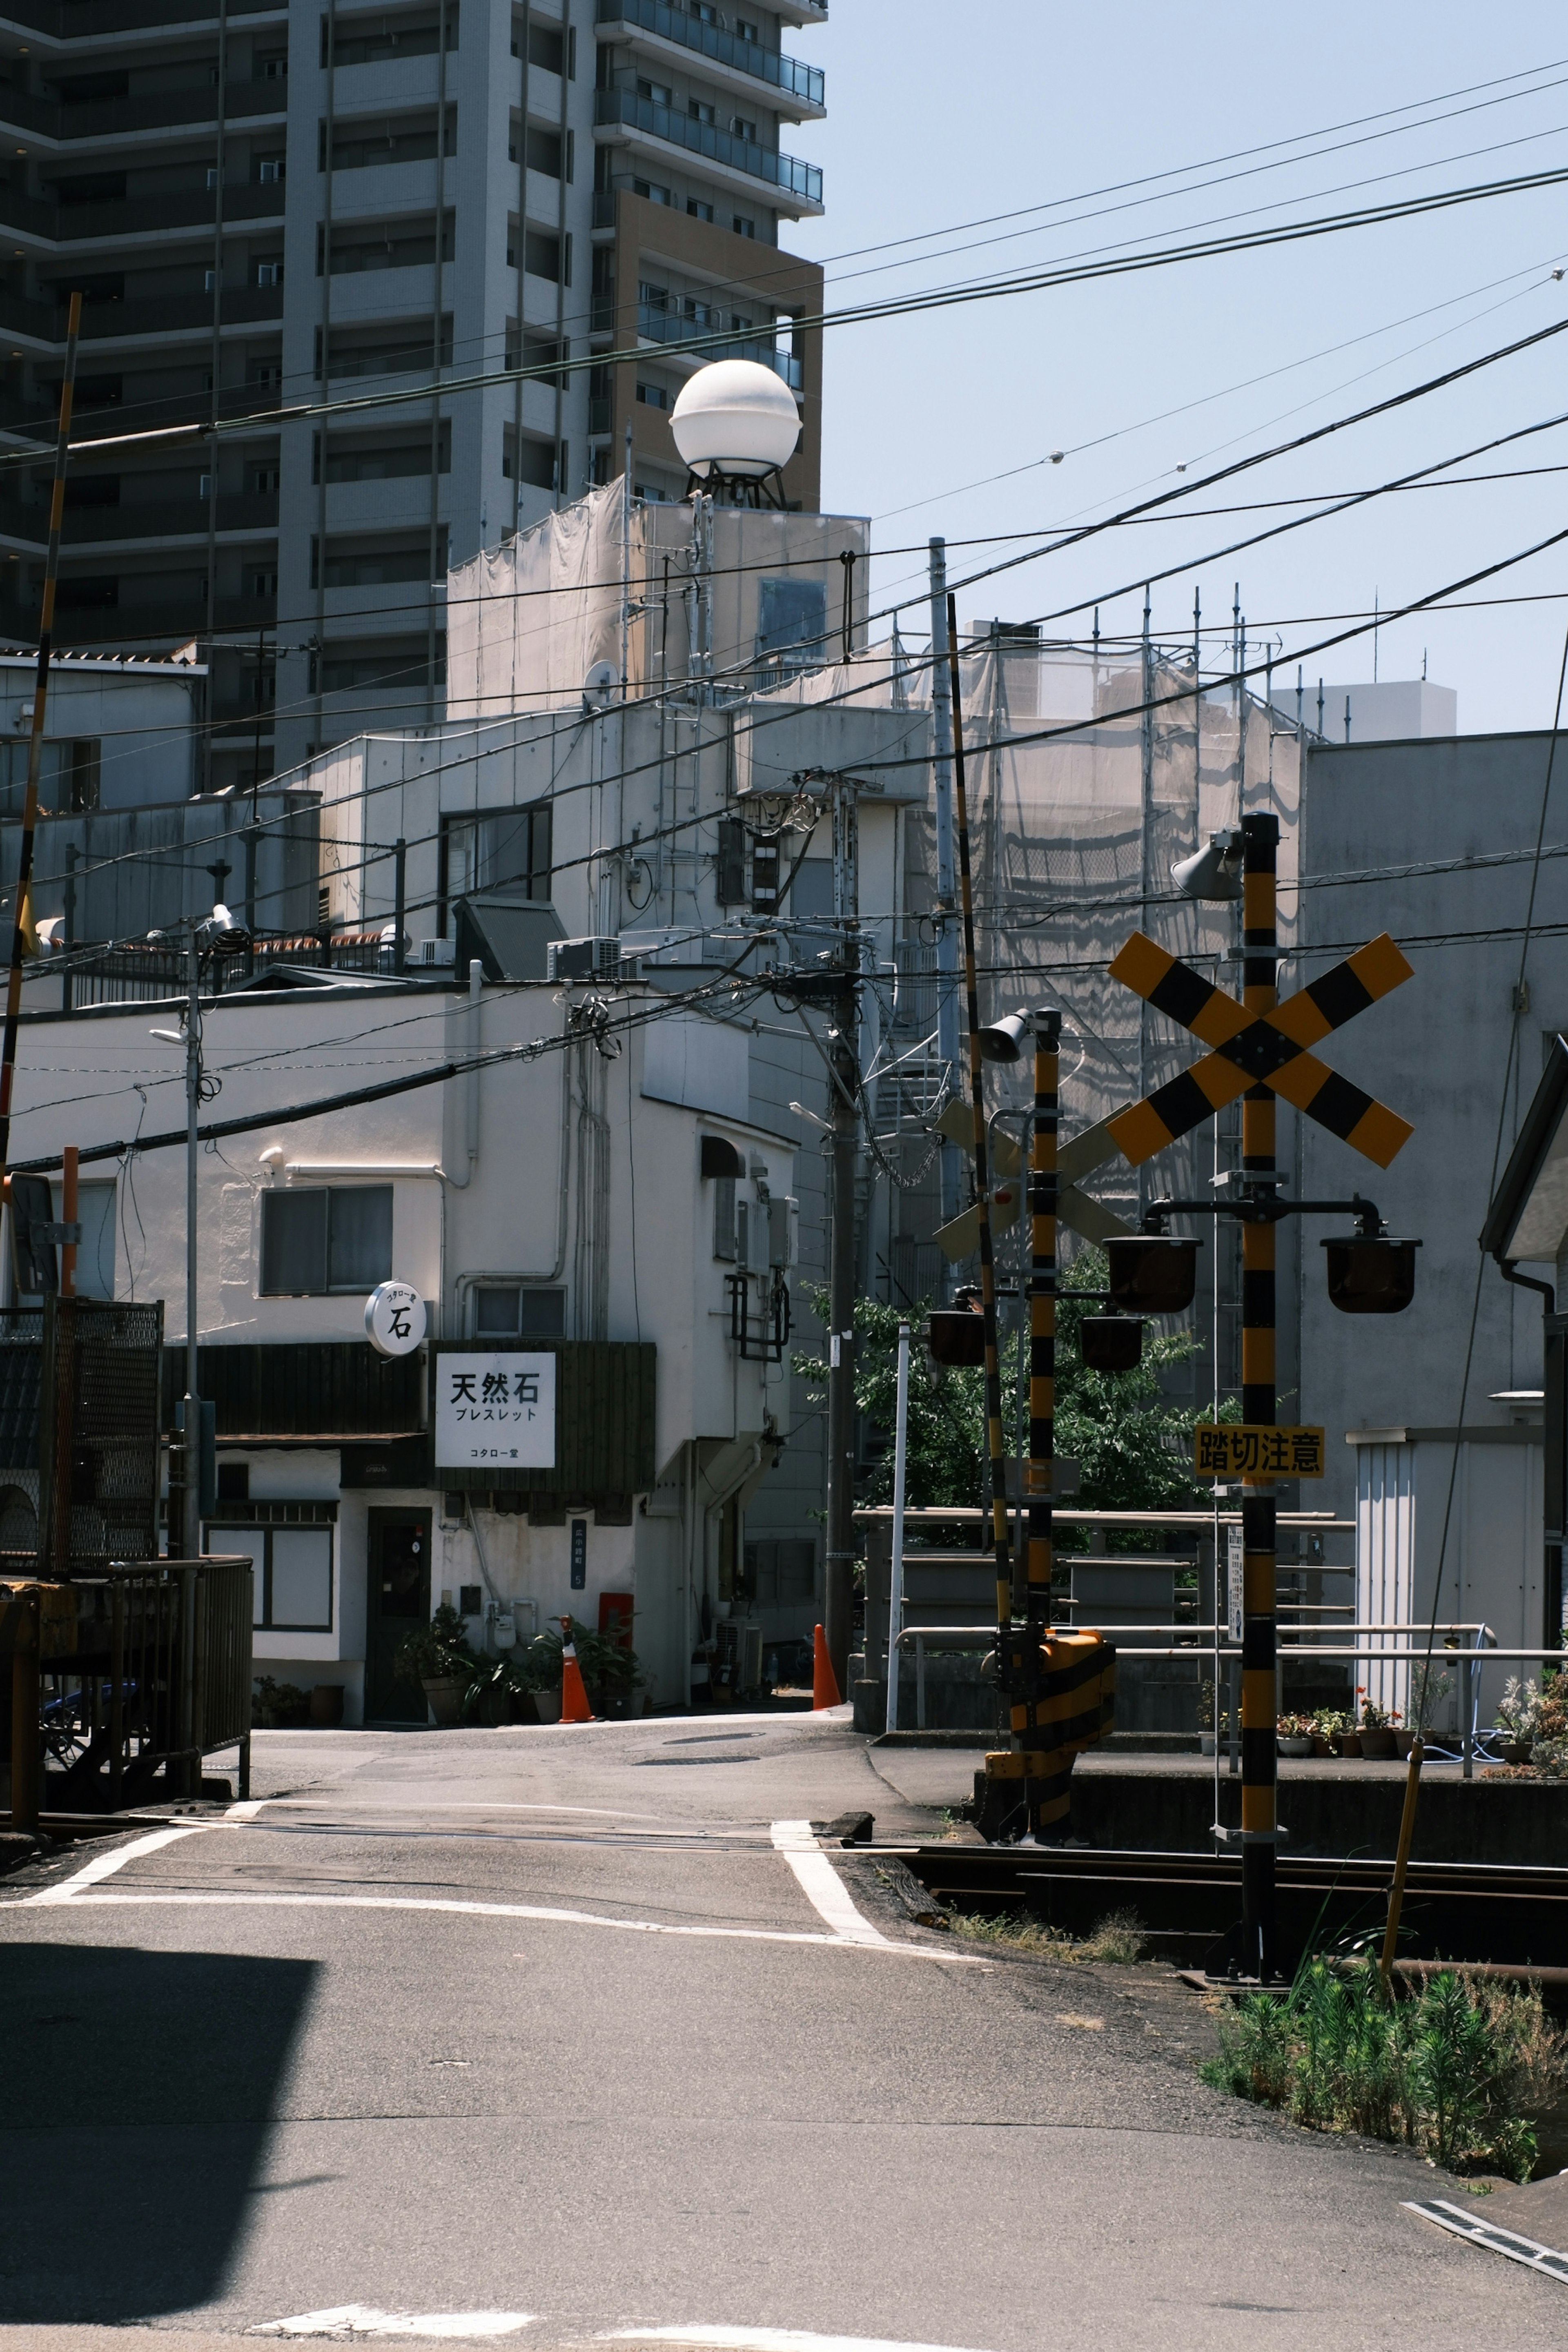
735	415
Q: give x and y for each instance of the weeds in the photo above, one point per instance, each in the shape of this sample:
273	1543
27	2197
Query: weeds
1117	1939
1457	2069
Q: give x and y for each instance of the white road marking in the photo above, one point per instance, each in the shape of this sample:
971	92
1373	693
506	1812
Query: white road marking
125	1898
104	1865
765	2340
348	2320
823	1887
247	1808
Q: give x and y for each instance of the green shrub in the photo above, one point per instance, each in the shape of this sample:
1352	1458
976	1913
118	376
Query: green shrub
1458	2070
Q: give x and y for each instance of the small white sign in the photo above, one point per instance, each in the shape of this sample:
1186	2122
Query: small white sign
1235	1581
394	1319
495	1408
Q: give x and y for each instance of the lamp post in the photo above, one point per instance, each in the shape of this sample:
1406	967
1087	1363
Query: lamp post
219	934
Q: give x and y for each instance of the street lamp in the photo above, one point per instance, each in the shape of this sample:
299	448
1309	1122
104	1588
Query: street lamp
215	934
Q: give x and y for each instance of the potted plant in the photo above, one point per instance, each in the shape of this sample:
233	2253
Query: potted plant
1519	1715
1378	1726
611	1675
498	1692
439	1658
1326	1722
1294	1735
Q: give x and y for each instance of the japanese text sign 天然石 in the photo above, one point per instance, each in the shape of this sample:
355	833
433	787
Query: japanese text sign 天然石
495	1409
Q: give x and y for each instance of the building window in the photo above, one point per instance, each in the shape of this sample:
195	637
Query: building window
724	1219
95	1251
653	395
700	111
529	460
792	626
508	851
653	192
325	1238
292	1588
659	93
743	226
545	48
697	210
546	257
743	127
517	1310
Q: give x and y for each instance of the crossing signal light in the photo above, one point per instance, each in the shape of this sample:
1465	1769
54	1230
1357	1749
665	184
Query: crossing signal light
1112	1343
956	1338
1370	1275
1153	1274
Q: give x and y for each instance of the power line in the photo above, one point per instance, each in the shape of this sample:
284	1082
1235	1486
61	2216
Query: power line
907	305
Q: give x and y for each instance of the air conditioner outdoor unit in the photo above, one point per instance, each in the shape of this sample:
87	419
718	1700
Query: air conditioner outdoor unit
598	958
430	955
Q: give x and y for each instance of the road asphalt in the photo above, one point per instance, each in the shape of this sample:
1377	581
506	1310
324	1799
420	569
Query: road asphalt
552	2037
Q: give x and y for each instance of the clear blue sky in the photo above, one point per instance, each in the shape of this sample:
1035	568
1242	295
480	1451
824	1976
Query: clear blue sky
941	115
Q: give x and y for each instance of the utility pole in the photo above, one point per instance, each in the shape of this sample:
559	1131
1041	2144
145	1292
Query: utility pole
1259	1700
845	1063
191	1532
946	888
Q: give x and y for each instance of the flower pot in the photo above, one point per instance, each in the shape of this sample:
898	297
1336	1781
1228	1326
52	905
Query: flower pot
1516	1752
1205	1743
1377	1740
1349	1743
1319	1745
1402	1740
327	1704
547	1706
1295	1743
445	1693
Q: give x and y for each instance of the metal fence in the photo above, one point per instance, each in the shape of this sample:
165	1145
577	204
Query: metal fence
158	1677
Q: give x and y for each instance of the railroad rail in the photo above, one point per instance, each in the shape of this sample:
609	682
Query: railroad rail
1190	1903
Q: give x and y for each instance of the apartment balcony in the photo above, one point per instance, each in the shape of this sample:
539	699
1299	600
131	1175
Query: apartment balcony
84	19
800	12
739	162
132	217
110	118
666	327
173	314
735	64
182	518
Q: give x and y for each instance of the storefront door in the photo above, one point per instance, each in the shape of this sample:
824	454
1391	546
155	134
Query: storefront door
397	1601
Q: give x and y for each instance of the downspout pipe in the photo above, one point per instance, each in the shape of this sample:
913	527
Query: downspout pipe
1527	1282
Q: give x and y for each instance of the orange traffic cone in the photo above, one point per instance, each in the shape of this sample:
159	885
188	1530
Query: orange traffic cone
824	1684
574	1707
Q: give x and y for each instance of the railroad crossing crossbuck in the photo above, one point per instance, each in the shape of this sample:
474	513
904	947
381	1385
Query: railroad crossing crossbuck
1252	1049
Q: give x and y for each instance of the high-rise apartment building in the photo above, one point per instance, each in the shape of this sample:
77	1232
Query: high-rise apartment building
268	205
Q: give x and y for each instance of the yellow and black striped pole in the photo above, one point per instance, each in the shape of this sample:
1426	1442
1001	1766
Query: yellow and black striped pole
1000	1536
1259	945
1046	1804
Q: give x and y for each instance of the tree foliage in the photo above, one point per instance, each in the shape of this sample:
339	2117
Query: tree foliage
1134	1448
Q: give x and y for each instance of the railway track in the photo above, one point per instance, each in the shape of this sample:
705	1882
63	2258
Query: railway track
1188	1903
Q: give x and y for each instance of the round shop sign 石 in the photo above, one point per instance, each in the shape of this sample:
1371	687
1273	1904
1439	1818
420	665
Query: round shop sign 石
394	1318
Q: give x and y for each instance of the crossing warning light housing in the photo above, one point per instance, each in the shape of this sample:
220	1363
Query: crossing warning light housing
1153	1274
1371	1275
1112	1343
956	1338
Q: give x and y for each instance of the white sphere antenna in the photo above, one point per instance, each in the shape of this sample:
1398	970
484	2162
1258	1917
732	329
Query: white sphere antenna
735	421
